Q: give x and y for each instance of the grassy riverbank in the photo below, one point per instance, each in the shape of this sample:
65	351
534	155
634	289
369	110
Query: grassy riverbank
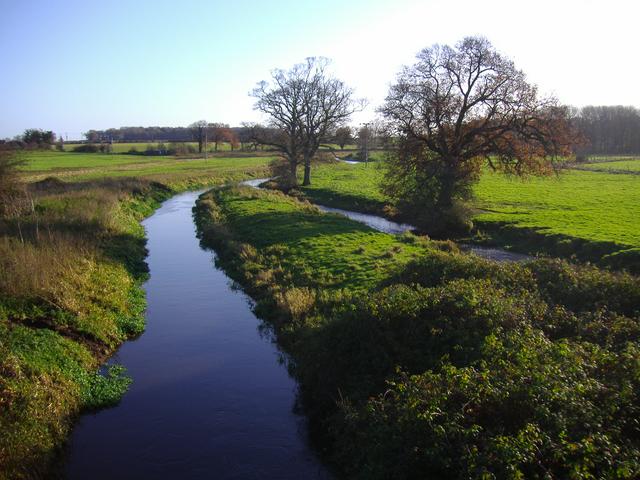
437	364
593	216
71	270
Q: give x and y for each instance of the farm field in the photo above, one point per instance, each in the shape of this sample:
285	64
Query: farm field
629	165
578	204
142	146
573	204
348	186
89	166
53	160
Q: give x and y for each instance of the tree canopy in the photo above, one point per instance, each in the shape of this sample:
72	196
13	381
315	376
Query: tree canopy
303	105
459	107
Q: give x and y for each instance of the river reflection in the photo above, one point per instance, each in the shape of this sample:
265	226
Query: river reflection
211	397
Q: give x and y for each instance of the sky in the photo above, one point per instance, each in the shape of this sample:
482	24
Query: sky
70	66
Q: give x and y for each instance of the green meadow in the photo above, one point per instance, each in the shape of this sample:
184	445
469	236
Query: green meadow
126	147
321	249
142	146
628	165
91	166
592	206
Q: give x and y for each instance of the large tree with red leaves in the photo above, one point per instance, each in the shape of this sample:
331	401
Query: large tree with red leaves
457	109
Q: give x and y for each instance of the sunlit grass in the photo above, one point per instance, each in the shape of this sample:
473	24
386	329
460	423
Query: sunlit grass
321	249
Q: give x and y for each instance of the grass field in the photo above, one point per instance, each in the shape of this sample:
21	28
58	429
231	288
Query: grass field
589	205
592	207
629	165
142	146
53	160
348	186
90	166
321	250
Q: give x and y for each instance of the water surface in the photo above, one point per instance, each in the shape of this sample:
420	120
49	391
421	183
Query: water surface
209	398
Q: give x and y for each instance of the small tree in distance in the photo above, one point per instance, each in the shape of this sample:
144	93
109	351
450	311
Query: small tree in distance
456	110
343	136
303	105
198	131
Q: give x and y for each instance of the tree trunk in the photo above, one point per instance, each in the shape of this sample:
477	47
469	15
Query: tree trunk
293	174
448	187
307	173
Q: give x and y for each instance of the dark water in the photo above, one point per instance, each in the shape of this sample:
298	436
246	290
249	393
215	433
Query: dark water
210	398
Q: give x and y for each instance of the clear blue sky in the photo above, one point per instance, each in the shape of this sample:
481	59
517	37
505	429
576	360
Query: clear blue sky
70	66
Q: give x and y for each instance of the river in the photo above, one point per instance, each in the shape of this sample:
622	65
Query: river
210	397
381	224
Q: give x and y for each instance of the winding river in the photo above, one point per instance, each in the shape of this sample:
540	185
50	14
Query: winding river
210	397
387	226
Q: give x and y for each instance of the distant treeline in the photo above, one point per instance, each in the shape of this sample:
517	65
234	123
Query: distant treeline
148	134
609	129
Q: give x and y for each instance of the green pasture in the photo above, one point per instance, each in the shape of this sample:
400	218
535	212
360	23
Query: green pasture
54	160
88	166
592	206
222	146
588	205
142	146
347	186
321	249
629	165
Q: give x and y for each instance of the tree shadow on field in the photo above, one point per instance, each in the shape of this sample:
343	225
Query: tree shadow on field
268	228
347	201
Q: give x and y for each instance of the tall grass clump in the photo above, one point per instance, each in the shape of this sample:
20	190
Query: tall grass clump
71	267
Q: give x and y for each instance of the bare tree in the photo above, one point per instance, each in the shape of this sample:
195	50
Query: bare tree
457	107
609	129
217	133
199	131
303	105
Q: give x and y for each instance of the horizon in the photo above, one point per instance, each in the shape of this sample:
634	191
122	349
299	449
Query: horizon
158	64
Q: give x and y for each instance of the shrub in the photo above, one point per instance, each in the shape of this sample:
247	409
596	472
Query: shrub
531	408
86	148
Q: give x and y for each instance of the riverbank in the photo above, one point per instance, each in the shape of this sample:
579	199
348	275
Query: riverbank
416	360
71	270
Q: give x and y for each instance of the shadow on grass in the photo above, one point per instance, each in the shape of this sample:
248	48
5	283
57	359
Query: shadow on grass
269	228
346	201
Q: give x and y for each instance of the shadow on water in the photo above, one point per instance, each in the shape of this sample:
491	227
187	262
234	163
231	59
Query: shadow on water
211	396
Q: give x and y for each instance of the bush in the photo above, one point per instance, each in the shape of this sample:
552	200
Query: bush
531	408
86	148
